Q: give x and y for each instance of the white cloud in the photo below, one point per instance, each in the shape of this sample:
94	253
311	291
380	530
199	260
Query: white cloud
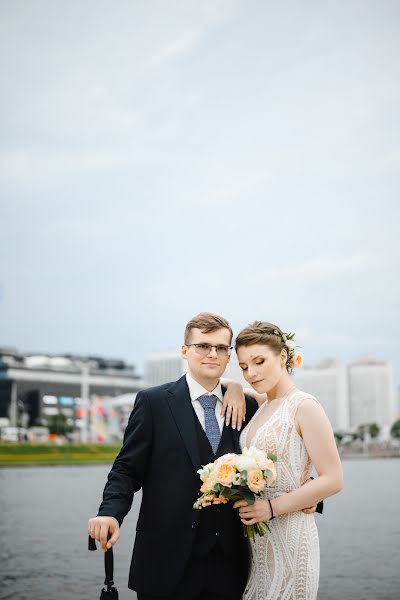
184	43
210	15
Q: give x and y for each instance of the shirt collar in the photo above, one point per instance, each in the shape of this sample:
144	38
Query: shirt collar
196	389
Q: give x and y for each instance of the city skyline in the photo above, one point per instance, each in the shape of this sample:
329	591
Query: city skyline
320	362
36	387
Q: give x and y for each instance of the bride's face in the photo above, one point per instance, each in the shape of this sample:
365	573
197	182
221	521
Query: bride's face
261	366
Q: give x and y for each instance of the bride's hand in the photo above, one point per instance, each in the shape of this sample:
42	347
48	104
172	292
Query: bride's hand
234	405
253	513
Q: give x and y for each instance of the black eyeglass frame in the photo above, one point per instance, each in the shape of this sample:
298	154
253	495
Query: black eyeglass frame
210	347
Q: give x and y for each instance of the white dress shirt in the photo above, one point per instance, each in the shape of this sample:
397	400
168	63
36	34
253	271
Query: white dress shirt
196	390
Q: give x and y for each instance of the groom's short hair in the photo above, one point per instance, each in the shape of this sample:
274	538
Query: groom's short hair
206	322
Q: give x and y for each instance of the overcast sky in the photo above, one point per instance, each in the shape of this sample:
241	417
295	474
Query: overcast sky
159	158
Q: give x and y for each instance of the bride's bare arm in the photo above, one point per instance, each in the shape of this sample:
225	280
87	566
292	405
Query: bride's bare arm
316	431
314	427
234	405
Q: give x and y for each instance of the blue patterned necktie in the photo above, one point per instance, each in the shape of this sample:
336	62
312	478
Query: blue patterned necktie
212	428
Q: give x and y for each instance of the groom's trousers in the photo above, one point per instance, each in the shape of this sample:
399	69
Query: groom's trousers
211	577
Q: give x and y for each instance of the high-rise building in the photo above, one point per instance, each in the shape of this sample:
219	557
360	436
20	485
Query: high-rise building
328	383
397	404
372	398
162	367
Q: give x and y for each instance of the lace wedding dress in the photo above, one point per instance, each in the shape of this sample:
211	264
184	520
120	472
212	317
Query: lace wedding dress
284	564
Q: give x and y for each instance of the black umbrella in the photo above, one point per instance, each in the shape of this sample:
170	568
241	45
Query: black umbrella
109	592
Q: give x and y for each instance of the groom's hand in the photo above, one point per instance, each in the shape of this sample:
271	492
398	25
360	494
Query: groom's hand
310	510
100	527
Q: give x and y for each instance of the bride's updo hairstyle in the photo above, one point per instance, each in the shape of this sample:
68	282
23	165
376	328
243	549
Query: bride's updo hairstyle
267	334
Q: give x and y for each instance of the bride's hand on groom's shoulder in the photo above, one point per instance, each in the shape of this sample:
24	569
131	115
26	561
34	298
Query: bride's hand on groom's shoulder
234	405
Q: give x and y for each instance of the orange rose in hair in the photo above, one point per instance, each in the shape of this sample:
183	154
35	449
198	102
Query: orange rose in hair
298	360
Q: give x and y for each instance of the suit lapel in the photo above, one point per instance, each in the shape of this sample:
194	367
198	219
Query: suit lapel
229	441
178	398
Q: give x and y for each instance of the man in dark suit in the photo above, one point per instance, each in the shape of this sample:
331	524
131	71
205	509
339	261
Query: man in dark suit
180	553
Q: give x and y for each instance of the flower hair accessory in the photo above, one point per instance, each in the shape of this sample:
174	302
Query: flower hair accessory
294	359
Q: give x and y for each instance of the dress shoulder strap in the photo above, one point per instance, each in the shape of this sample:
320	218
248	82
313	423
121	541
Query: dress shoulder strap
297	398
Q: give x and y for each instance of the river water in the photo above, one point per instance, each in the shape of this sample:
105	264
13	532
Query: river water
43	549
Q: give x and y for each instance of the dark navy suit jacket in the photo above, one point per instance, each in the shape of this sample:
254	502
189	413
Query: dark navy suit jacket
160	455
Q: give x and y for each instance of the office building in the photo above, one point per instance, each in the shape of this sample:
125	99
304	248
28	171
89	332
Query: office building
328	382
162	367
371	389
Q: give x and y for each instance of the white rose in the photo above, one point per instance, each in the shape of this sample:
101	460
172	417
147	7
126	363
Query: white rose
290	344
254	453
205	471
228	459
248	451
246	463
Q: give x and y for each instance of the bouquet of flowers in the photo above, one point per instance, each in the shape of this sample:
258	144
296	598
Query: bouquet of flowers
237	477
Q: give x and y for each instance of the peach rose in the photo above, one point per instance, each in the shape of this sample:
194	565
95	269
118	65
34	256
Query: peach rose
262	462
208	483
298	360
225	474
204	488
255	480
226	459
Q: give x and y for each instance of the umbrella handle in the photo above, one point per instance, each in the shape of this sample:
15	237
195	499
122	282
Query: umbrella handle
108	562
91	543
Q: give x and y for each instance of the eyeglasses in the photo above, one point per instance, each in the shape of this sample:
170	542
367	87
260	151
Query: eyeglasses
205	349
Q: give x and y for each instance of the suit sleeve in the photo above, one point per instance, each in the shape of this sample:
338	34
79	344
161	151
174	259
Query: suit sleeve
251	408
128	471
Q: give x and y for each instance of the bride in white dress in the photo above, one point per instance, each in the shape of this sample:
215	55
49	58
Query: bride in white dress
292	425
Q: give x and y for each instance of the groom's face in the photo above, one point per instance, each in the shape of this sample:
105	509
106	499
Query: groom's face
209	366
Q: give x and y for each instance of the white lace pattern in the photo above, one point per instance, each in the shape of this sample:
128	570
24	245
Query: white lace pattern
285	566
